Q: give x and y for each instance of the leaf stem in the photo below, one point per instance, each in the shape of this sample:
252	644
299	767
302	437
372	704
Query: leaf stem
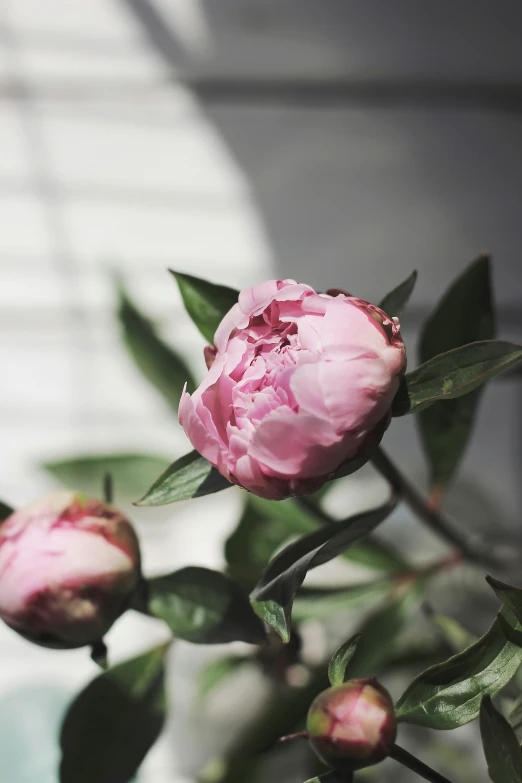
426	511
413	763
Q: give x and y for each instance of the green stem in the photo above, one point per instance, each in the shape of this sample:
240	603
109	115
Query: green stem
413	763
426	512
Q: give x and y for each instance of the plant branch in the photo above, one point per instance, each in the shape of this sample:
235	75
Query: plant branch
425	511
413	763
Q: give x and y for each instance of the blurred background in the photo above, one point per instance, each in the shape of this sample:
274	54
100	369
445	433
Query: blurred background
337	142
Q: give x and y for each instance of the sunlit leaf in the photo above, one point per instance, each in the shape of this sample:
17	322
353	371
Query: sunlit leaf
394	303
206	303
448	694
159	363
456	373
204	607
464	315
190	476
115	720
340	660
287	571
501	746
130	473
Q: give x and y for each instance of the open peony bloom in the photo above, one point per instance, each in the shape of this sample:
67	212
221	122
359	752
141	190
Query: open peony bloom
300	384
68	566
352	725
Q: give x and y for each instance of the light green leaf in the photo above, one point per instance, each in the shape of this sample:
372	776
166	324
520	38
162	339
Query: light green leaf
277	617
464	315
455	373
190	476
394	303
287	571
509	595
206	303
448	695
159	363
115	720
321	602
5	511
130	473
216	672
204	607
340	660
501	747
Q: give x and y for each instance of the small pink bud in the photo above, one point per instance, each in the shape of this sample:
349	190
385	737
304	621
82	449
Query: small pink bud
68	567
352	725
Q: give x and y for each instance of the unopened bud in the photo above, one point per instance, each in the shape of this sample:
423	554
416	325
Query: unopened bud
352	725
68	567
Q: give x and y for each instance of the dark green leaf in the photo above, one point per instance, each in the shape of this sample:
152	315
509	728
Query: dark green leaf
205	302
115	720
130	473
286	572
204	607
394	303
509	595
340	660
216	672
501	747
319	603
458	372
190	476
5	511
464	315
515	718
159	363
448	695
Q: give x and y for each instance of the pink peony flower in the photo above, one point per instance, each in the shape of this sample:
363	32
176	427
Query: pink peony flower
68	566
352	725
300	385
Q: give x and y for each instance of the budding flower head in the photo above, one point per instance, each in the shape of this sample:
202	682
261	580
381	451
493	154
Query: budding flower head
68	566
352	725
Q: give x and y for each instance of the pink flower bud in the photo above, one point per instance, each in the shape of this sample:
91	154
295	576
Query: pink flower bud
300	385
68	566
352	725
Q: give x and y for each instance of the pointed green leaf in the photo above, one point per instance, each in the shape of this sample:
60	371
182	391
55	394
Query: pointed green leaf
5	511
190	476
394	303
115	720
509	595
216	672
204	607
464	315
448	695
130	473
340	660
277	617
206	303
454	634
501	747
458	372
287	571
159	363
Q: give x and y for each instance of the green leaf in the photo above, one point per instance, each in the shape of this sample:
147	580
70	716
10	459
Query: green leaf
130	473
454	634
115	720
216	672
206	303
277	617
448	695
159	363
509	595
204	607
190	476
394	303
457	372
5	511
287	571
515	717
464	315
321	602
340	660
501	747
